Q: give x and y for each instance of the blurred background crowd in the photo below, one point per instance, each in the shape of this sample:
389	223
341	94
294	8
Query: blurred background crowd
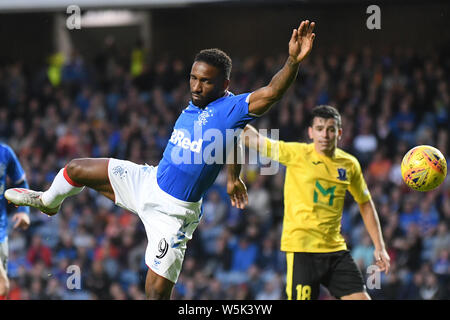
123	104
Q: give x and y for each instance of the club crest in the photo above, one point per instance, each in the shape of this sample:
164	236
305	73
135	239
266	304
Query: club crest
342	174
202	118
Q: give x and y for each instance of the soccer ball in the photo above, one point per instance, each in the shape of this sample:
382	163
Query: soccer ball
423	168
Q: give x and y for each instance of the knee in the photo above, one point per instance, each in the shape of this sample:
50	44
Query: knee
75	169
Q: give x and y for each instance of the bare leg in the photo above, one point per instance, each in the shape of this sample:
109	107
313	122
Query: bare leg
92	173
356	296
157	287
4	282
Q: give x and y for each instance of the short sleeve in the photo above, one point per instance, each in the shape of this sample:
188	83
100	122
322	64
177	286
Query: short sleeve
236	112
286	153
358	187
14	169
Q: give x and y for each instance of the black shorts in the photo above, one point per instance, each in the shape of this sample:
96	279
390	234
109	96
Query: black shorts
337	271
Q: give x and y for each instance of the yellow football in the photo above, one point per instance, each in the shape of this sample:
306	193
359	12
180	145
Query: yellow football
423	168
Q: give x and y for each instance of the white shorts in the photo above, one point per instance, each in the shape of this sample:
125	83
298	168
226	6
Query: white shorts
169	222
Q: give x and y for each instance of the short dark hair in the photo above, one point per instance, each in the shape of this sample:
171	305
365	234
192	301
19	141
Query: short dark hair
326	112
216	58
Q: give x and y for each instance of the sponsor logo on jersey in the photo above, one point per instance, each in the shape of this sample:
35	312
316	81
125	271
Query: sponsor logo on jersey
213	146
179	138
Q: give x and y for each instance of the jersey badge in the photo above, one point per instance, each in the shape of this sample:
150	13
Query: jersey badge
202	118
342	174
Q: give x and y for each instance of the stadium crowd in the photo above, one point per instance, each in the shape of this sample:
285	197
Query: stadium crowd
124	104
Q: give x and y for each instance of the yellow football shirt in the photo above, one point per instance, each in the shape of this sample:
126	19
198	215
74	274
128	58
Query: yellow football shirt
314	191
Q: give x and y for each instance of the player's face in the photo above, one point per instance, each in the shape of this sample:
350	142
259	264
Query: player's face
206	83
325	134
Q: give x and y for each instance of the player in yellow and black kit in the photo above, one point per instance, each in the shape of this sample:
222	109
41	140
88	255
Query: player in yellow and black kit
318	175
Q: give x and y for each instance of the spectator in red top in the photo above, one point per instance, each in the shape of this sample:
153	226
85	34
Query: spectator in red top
39	252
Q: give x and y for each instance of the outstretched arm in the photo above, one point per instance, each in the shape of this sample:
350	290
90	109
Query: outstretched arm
236	189
252	139
370	218
300	45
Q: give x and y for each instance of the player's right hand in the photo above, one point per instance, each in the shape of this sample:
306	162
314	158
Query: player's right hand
237	191
302	40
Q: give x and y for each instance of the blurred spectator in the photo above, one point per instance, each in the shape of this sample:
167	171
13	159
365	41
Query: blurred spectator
395	173
410	248
428	216
15	292
243	292
267	258
36	290
255	279
66	248
441	265
430	289
244	254
211	225
259	201
392	287
411	290
365	144
135	293
116	292
97	281
441	240
221	258
380	166
53	290
73	72
272	290
39	252
362	253
409	215
214	291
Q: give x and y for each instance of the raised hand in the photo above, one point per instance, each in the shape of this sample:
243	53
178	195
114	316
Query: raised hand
302	40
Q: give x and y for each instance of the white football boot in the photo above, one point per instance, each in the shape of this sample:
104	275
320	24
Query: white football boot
26	197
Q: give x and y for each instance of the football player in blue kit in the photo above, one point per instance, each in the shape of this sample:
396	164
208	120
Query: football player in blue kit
9	168
167	198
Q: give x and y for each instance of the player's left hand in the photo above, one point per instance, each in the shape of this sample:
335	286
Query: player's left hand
22	220
382	260
237	191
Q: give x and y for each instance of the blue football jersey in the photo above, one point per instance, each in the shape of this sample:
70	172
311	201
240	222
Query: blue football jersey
197	149
9	167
